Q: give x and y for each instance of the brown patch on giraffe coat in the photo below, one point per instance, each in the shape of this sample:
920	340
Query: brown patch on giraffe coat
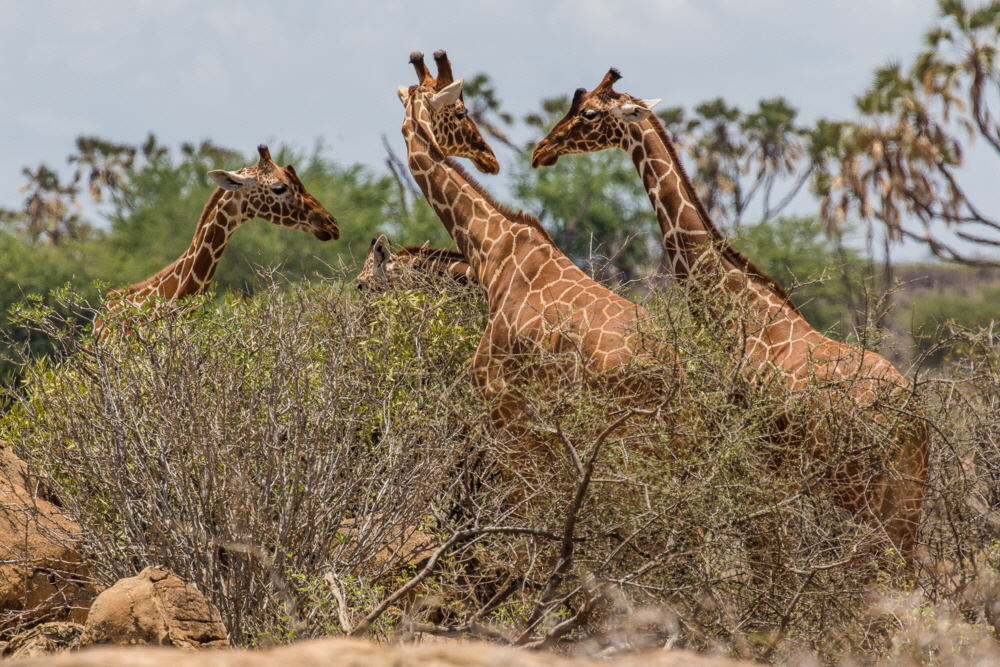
170	285
203	262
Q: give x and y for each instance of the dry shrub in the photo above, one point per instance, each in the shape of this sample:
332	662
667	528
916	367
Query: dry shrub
234	444
318	463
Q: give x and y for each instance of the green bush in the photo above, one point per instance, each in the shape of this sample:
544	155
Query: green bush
962	311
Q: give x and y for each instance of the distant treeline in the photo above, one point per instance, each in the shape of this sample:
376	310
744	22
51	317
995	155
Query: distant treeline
152	198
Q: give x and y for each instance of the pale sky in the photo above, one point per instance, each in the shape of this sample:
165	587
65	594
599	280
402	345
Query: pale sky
242	73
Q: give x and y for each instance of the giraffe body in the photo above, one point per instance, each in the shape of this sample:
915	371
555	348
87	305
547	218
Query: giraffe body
264	190
782	350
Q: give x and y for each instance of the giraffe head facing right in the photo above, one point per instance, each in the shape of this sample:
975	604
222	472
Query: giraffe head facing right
275	194
454	132
596	120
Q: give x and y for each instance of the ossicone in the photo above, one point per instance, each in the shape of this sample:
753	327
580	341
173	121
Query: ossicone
424	77
444	76
605	86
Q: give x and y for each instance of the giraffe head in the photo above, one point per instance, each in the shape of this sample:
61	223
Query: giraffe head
453	130
596	120
276	194
378	259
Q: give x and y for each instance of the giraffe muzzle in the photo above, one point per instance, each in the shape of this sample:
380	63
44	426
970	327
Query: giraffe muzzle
486	163
325	228
543	156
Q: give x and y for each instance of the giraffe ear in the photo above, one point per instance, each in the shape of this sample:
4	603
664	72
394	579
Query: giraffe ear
649	104
382	250
404	94
448	95
228	180
634	113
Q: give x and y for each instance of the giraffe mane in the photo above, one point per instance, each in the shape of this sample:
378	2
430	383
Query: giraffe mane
432	253
519	217
205	213
741	261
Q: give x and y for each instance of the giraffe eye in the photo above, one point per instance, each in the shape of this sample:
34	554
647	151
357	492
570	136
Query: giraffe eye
461	114
589	114
279	188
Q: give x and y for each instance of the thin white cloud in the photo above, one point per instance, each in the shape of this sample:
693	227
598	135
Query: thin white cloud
47	122
631	22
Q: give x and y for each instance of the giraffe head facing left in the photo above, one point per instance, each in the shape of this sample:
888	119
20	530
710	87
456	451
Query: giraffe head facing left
275	194
596	120
454	132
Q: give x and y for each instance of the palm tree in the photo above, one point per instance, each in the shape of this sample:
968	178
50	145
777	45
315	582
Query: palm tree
776	150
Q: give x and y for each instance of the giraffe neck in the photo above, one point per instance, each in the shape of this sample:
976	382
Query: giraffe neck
693	247
470	216
192	273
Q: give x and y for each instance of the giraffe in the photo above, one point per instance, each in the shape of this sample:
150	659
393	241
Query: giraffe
382	263
538	300
781	347
264	190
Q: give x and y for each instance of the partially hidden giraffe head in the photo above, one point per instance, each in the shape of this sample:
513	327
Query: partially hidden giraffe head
454	132
382	264
277	195
376	263
596	120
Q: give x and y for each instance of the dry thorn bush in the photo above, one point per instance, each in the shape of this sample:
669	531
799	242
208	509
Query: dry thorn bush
319	463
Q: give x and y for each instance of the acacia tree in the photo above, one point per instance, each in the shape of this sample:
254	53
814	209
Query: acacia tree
105	163
898	166
50	207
